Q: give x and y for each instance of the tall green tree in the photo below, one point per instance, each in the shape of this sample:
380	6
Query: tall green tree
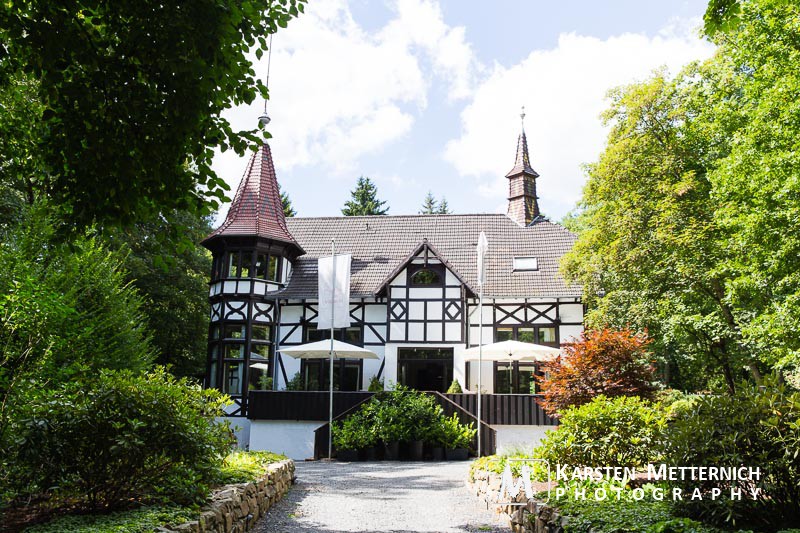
364	200
21	166
757	183
132	91
171	271
443	209
286	202
649	240
66	310
689	219
429	206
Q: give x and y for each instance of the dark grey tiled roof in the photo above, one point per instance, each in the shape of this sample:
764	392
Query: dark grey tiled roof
380	243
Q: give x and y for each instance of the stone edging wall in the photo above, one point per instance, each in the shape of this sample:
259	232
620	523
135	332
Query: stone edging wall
533	517
236	508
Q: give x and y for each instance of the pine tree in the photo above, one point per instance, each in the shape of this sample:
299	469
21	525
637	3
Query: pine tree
286	202
364	200
444	209
428	205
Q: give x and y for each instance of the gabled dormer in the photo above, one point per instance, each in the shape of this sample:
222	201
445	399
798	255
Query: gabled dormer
425	298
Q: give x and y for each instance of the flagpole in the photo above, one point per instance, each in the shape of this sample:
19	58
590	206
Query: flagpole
333	312
480	359
482	247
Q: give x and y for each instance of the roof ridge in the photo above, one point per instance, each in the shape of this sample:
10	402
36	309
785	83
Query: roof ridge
402	216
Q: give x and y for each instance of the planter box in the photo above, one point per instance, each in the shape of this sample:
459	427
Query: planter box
437	454
347	456
372	453
458	454
412	451
391	451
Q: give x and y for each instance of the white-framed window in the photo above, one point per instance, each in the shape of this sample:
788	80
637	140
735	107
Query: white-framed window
522	264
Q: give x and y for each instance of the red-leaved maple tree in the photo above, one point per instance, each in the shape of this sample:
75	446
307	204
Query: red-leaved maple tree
605	361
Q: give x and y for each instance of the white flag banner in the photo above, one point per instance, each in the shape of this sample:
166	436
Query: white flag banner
482	248
334	294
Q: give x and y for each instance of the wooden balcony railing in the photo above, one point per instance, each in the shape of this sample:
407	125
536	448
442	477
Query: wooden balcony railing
497	409
506	409
300	405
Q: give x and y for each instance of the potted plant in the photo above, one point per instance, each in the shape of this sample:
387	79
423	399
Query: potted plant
457	438
390	429
455	388
346	439
370	438
436	439
375	384
423	415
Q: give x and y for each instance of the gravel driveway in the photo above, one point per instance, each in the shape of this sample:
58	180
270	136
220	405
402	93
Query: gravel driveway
385	496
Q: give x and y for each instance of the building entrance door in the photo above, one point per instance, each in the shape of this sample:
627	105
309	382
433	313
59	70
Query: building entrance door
425	368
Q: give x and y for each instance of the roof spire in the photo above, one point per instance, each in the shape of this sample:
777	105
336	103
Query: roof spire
523	204
256	210
522	164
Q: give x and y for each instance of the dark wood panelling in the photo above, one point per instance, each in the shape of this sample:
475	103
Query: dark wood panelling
506	409
300	405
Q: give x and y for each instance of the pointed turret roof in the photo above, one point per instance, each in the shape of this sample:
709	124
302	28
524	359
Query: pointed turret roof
256	210
522	165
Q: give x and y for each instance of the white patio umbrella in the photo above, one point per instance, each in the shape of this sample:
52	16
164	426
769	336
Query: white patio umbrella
330	349
256	362
322	350
512	351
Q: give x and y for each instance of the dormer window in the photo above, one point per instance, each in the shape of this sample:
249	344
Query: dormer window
525	264
425	276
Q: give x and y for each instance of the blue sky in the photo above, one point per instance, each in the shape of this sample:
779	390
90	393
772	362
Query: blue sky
425	95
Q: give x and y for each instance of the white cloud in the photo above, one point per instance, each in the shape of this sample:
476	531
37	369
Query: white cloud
563	90
339	92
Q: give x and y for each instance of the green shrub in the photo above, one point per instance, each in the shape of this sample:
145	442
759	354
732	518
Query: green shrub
675	403
243	467
498	463
142	520
65	311
120	438
455	434
403	415
612	515
622	431
296	383
400	415
752	428
355	432
455	388
375	384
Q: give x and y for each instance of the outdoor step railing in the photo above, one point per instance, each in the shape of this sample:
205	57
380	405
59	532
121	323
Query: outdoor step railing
488	434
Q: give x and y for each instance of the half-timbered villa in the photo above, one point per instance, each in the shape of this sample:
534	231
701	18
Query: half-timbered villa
414	302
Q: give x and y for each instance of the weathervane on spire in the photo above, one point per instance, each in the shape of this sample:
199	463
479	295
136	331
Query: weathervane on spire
522	117
264	119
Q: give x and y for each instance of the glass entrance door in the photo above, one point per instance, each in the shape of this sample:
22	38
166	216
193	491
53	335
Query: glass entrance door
425	368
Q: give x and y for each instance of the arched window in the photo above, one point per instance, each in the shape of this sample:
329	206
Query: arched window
426	276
